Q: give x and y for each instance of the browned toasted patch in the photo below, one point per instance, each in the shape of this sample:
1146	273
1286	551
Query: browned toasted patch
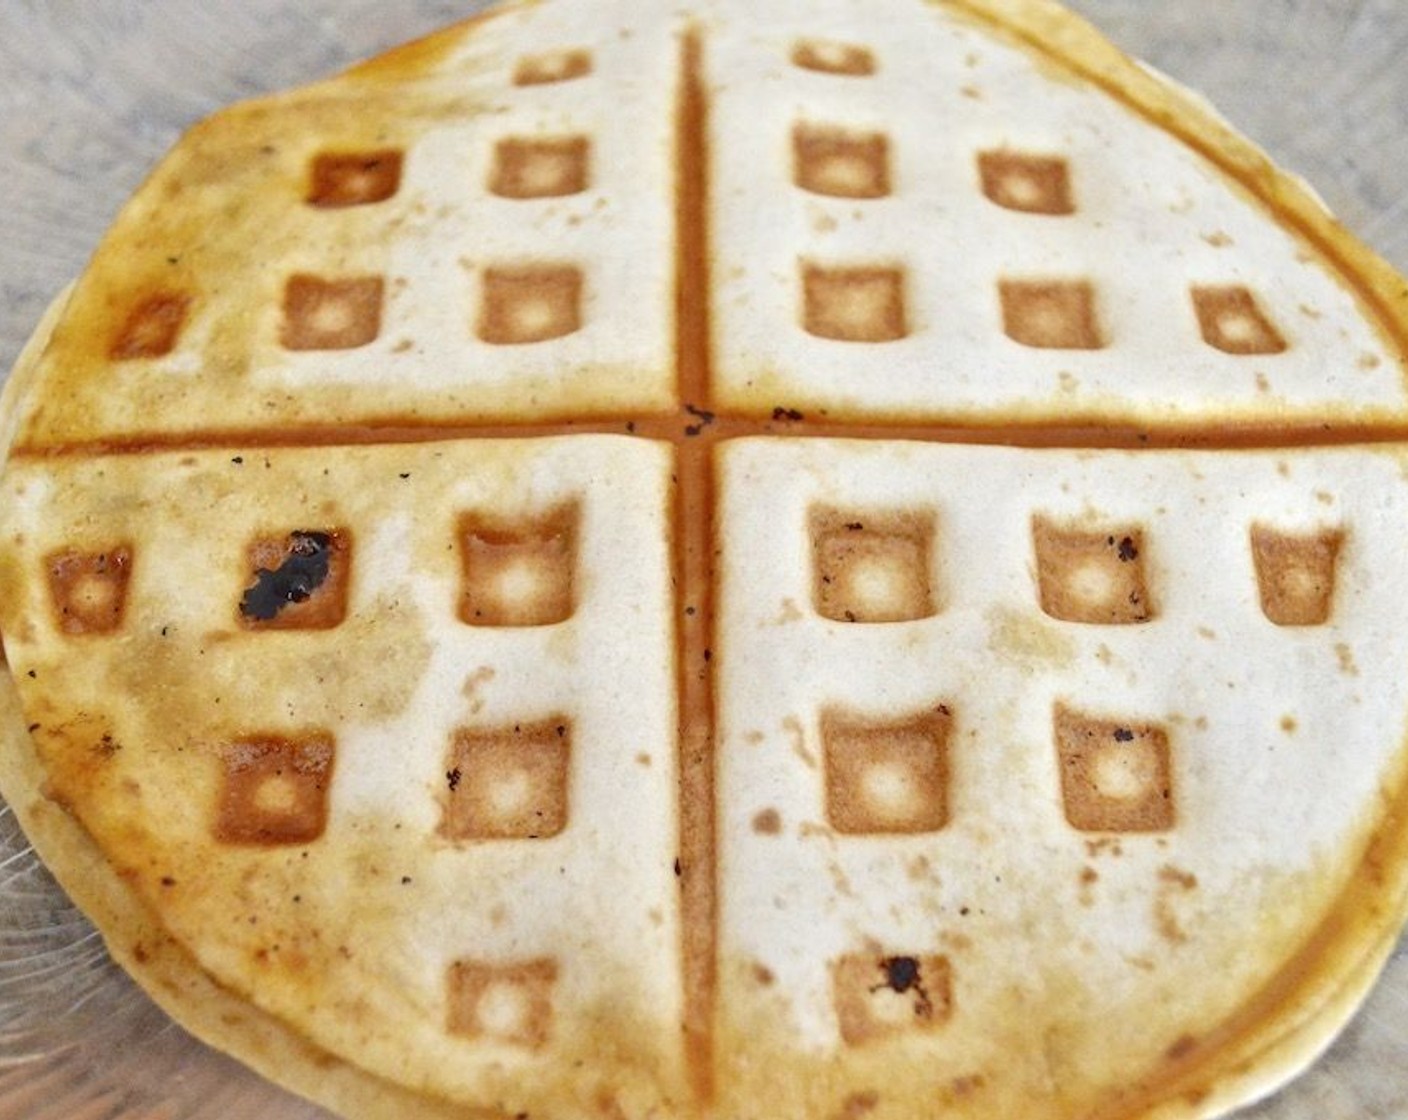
274	789
1036	184
89	589
877	996
1091	574
1115	776
540	167
322	314
873	566
887	775
297	580
854	304
1050	314
552	66
341	179
509	782
509	1003
151	327
1232	321
530	303
1295	574
517	573
831	57
840	162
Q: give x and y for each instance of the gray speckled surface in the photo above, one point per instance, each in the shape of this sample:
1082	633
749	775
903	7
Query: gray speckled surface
93	91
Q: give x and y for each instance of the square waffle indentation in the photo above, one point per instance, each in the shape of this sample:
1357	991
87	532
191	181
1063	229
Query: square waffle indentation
552	66
151	328
297	580
275	789
540	167
886	776
1115	777
1035	184
509	1003
530	303
89	589
1093	575
518	573
508	783
863	303
323	314
1050	314
840	162
877	996
1231	320
873	566
1295	574
830	57
341	179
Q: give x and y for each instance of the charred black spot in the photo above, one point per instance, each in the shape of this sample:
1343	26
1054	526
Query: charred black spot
780	413
901	973
452	778
1124	735
1127	550
702	414
303	571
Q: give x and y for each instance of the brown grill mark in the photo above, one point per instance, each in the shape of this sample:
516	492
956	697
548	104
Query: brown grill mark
546	167
1295	574
853	304
321	314
511	783
1050	314
530	303
509	1003
829	57
274	790
1091	574
693	570
342	179
1231	321
1115	777
886	775
89	589
151	328
838	162
520	573
552	66
1022	181
307	604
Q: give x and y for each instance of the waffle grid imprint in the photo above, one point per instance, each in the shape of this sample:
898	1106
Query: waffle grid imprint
740	568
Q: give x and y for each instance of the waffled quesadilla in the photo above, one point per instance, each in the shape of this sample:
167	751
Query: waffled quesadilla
732	560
